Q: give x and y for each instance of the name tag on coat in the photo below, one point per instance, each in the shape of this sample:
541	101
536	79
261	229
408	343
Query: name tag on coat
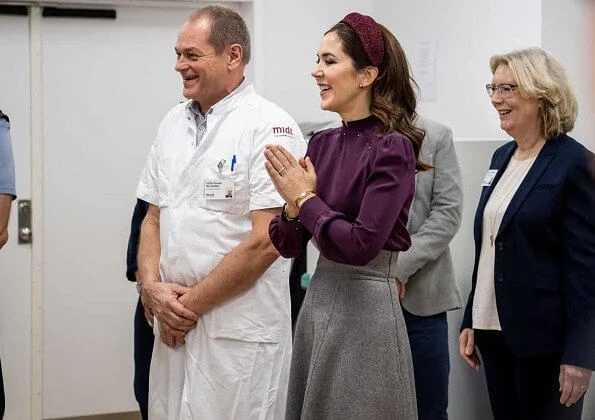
216	189
489	178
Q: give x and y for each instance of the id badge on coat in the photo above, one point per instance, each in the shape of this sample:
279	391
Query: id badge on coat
489	178
217	189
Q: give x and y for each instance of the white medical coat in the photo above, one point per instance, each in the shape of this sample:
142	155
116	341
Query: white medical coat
235	363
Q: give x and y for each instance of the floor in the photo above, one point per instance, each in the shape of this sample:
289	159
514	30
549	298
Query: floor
134	415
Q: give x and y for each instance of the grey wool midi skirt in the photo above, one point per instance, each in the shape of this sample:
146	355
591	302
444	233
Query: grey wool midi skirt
351	357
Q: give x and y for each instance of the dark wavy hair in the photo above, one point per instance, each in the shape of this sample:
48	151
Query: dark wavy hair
393	94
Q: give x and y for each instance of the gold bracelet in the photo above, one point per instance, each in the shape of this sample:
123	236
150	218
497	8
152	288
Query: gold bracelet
302	197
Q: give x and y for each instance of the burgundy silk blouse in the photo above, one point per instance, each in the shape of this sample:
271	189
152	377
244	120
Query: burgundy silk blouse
365	185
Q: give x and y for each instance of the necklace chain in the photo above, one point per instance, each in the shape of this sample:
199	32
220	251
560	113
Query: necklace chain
506	198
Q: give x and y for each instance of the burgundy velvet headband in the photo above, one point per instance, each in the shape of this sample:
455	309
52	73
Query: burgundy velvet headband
369	34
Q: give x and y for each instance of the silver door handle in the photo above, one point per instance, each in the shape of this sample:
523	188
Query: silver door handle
25	233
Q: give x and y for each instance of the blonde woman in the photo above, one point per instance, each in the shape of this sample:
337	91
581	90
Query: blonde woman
531	311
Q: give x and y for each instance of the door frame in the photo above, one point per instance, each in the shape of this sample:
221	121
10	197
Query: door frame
36	121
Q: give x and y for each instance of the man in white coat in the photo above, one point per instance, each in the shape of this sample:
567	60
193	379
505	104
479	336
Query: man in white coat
209	277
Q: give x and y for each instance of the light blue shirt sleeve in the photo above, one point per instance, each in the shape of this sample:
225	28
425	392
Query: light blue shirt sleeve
7	182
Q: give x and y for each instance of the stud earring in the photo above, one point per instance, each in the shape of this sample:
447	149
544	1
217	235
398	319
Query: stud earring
361	85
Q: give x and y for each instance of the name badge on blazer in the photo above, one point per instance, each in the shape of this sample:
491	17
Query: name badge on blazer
489	178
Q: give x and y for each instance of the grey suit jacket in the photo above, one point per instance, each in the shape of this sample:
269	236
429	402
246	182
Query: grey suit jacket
434	219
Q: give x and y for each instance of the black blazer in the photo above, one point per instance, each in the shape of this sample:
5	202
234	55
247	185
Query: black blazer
544	271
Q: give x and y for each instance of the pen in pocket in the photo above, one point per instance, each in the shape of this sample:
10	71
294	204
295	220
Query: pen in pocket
233	162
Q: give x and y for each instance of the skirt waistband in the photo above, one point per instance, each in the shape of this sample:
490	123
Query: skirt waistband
383	267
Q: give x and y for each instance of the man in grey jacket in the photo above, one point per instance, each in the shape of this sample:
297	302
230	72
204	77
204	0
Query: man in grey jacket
428	288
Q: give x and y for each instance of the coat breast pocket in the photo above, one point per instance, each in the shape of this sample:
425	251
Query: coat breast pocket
223	189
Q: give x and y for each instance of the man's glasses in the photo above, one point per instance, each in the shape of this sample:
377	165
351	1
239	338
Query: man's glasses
505	90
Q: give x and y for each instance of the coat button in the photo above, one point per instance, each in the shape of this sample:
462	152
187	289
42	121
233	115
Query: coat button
500	277
499	246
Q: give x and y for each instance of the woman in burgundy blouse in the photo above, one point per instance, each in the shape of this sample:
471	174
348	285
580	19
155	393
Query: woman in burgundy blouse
351	196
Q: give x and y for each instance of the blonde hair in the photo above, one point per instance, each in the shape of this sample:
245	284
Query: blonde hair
539	75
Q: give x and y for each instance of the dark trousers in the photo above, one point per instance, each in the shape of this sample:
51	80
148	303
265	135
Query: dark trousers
522	388
2	403
143	350
298	268
428	338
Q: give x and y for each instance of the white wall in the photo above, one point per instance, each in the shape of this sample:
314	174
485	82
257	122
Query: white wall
466	33
565	35
291	31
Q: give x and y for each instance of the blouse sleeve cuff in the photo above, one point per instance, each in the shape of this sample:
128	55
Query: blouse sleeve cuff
286	228
311	211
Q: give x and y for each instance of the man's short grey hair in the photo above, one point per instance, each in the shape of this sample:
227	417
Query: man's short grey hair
227	28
